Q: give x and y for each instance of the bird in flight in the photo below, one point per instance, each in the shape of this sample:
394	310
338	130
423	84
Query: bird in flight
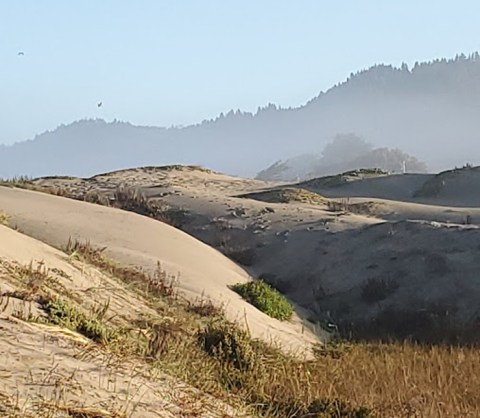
99	104
21	53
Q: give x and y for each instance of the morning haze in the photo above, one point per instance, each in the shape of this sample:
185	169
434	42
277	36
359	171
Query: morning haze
429	111
164	65
261	209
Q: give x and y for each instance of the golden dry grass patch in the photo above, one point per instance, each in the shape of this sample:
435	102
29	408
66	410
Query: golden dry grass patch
4	218
401	380
349	380
360	380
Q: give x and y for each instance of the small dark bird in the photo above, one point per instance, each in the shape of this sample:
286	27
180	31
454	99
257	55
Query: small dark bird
99	104
21	53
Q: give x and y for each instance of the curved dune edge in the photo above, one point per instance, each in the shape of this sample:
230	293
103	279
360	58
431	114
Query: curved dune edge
35	358
139	241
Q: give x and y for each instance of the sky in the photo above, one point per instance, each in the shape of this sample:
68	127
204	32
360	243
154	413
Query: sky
178	62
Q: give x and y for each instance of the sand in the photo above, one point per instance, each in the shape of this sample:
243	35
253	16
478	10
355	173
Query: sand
322	248
48	365
139	241
320	245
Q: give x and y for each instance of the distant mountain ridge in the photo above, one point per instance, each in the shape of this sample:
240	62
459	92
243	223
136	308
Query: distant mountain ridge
430	111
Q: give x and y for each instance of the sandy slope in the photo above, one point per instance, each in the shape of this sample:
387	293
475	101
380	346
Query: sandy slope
393	187
456	188
45	364
140	241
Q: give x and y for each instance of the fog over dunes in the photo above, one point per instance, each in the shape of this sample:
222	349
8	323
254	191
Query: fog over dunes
429	111
346	152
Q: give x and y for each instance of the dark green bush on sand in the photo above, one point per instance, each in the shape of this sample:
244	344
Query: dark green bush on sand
266	298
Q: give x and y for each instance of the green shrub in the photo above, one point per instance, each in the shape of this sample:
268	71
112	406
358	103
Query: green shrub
61	313
266	298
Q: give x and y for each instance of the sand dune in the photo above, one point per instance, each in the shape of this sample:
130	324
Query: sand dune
64	367
455	188
139	241
333	240
392	187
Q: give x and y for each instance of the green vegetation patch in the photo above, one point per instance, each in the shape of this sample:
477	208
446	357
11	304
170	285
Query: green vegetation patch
3	218
287	195
65	315
266	298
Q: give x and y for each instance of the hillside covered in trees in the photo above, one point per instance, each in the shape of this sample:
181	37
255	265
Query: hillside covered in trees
430	111
346	152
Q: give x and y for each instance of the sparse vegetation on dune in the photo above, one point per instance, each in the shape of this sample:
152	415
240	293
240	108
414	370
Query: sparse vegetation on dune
216	356
3	218
134	200
153	169
60	312
287	195
380	371
343	178
434	186
15	181
344	205
25	182
346	380
124	197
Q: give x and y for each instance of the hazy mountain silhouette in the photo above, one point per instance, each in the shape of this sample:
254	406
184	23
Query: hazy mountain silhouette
430	111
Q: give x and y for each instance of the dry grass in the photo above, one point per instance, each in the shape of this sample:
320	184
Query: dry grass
54	409
15	181
134	200
359	380
24	182
56	406
127	198
287	195
160	284
344	380
33	280
354	380
344	205
3	218
205	308
407	380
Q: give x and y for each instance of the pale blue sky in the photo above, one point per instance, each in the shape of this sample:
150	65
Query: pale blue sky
158	62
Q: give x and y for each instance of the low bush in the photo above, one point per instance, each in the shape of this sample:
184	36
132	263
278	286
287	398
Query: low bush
266	298
61	313
228	343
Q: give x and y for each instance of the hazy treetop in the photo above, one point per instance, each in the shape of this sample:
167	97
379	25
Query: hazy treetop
175	63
